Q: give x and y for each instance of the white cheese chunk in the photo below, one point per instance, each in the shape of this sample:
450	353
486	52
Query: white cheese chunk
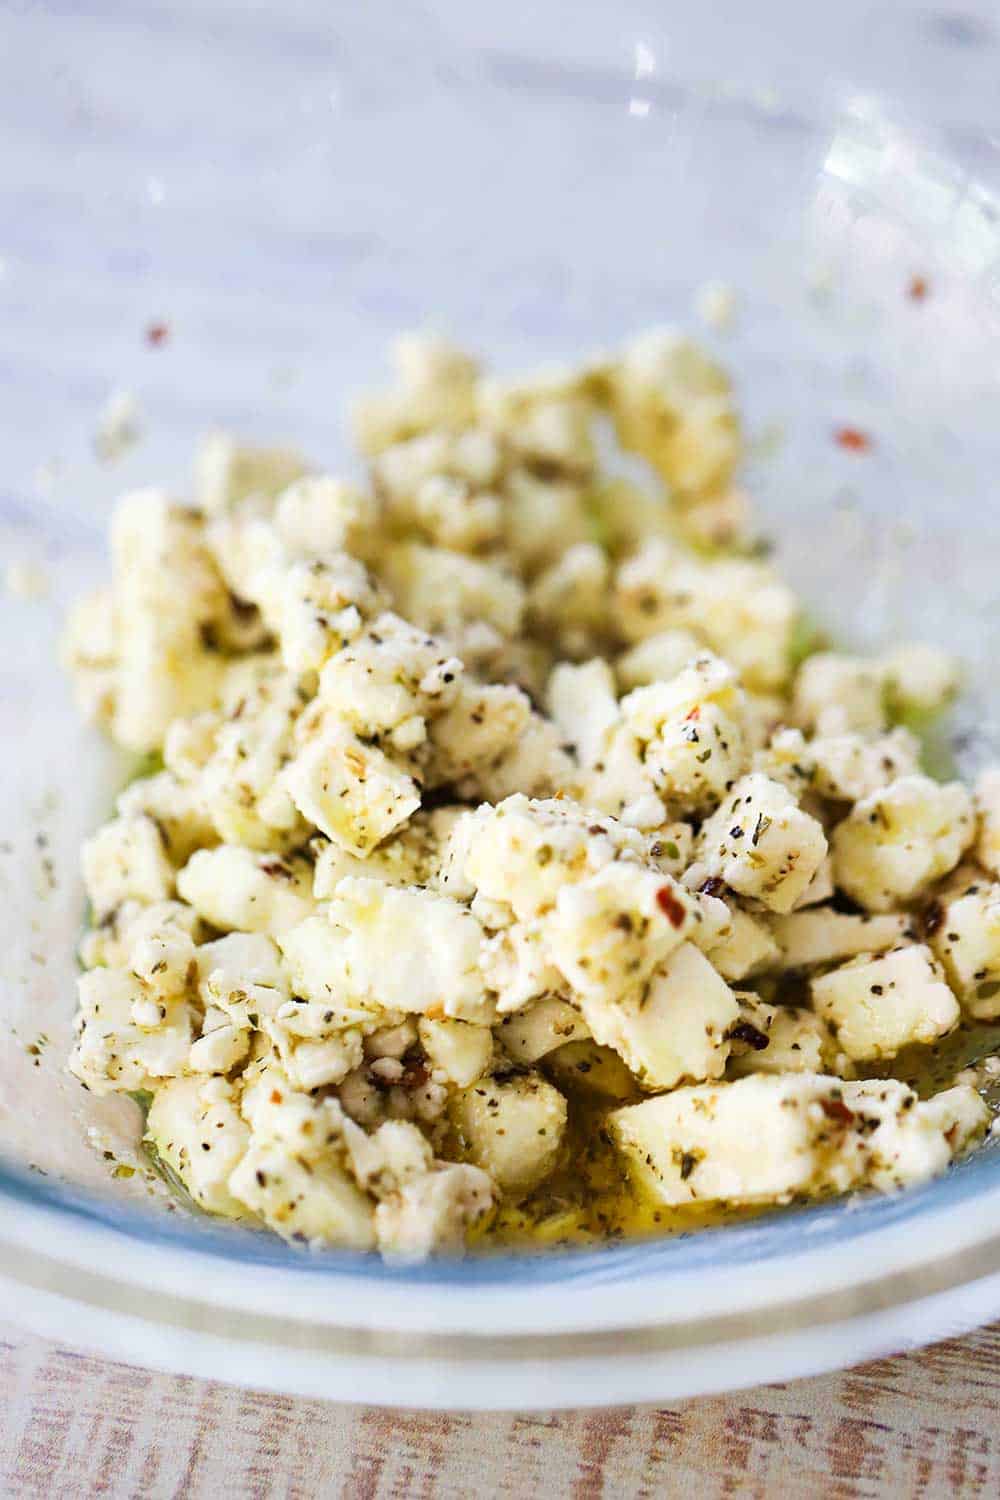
674	1027
879	1005
512	1127
237	889
769	1138
761	844
896	842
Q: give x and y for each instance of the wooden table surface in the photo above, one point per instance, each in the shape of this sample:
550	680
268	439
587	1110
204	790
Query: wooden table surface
924	1424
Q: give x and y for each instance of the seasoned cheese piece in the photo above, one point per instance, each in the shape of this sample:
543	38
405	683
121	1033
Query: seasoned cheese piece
657	658
769	1138
675	1027
356	958
316	1202
534	1032
461	1050
761	844
988	819
879	1005
896	842
237	889
610	931
966	938
745	949
584	705
672	405
523	852
512	1127
781	1039
125	1038
691	733
196	1128
836	694
350	790
390	674
126	861
168	599
807	939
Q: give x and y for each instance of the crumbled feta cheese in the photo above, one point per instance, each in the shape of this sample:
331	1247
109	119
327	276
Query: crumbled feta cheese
496	758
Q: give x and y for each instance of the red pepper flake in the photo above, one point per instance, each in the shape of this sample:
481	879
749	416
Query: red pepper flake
694	714
917	289
853	439
674	911
836	1109
157	334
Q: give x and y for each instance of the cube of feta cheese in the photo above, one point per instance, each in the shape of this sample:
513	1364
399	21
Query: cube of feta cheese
879	1005
673	405
517	964
483	724
522	852
125	860
691	732
919	679
540	1028
453	595
768	1138
836	694
512	1127
87	652
436	389
657	658
674	1027
896	842
847	767
314	1201
243	976
462	1051
747	947
761	844
237	889
807	939
781	1039
317	607
584	705
318	514
987	800
433	1211
177	810
126	1039
401	949
197	1130
610	931
389	674
168	597
737	607
350	790
568	601
966	938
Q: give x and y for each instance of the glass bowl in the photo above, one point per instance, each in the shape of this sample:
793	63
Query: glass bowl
231	212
